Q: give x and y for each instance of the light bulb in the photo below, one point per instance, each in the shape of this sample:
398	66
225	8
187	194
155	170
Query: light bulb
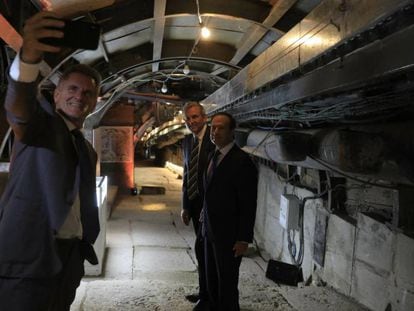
164	88
186	69
205	32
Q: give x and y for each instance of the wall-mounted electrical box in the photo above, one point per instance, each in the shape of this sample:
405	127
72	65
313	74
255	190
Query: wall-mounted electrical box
289	211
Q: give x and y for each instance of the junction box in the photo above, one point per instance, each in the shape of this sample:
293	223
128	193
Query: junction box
289	211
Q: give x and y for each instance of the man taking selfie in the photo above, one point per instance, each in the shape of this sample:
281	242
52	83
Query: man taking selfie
48	211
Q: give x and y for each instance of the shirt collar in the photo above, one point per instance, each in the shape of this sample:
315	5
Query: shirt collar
201	134
225	149
69	124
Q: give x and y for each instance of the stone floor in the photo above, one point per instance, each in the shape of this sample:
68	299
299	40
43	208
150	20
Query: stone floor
150	263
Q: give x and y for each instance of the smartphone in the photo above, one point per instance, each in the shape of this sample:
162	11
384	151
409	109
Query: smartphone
77	35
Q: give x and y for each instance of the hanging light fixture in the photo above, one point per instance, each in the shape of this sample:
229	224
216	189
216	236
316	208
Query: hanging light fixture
164	88
205	32
186	69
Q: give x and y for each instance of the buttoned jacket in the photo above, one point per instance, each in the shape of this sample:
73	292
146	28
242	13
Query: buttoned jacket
231	199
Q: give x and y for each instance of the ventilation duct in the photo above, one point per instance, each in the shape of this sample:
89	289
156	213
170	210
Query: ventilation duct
290	147
351	151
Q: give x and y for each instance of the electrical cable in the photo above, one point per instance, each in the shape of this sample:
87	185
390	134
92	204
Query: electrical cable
298	260
169	76
391	186
356	109
264	139
198	12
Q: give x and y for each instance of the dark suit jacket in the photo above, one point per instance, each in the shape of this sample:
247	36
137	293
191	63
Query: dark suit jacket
206	147
42	186
230	199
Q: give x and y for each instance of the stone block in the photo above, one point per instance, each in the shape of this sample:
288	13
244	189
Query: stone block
404	259
369	288
149	259
373	263
402	286
274	236
162	235
261	200
402	299
340	240
309	229
273	195
271	232
118	263
374	244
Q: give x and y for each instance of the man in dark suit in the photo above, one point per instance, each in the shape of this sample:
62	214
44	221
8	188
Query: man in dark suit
196	147
228	214
48	211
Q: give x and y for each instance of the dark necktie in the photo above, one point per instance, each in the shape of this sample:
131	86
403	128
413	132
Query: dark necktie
87	190
192	181
213	165
210	172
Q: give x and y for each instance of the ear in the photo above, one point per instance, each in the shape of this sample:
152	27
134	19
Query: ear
56	94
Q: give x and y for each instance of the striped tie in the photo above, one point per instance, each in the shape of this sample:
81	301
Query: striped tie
192	182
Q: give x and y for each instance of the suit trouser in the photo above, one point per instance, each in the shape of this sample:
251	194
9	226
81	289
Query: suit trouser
42	294
68	279
199	252
17	294
222	270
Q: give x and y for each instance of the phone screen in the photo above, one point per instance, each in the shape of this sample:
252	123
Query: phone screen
77	35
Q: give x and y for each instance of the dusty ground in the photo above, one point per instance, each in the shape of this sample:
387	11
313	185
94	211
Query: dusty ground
150	264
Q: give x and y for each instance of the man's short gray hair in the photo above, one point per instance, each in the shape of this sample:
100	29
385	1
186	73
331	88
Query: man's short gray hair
194	104
85	70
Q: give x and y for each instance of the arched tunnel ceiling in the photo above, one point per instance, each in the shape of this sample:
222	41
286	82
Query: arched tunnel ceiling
147	43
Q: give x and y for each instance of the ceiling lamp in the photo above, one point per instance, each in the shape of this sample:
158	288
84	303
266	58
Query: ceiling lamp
205	32
164	88
186	69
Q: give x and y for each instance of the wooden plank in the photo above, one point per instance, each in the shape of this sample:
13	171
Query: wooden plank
9	34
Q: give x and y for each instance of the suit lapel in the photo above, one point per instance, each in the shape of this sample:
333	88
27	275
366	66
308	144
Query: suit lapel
224	164
205	149
187	146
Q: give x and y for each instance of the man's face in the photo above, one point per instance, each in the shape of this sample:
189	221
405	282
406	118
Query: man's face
195	120
76	97
221	134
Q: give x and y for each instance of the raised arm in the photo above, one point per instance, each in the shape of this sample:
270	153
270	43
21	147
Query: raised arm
20	103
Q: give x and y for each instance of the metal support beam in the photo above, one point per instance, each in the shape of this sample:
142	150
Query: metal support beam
256	32
325	27
376	61
159	24
9	34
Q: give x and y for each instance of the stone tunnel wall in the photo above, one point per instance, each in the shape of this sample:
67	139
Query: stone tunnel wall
363	257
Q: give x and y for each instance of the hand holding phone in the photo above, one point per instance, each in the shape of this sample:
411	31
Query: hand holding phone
41	25
77	35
